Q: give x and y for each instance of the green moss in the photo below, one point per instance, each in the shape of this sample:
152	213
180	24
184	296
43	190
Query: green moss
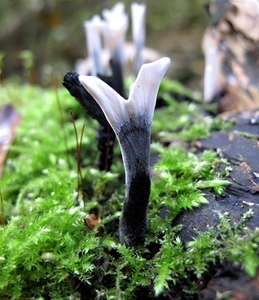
181	118
46	249
182	176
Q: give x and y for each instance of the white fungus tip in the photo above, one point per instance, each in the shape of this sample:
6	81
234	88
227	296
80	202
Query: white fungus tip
142	98
143	94
111	103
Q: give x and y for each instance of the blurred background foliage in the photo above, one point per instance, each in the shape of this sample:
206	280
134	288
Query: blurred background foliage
49	35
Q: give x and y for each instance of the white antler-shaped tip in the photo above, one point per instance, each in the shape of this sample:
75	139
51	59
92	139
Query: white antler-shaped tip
117	11
92	31
143	94
110	101
114	31
142	98
138	12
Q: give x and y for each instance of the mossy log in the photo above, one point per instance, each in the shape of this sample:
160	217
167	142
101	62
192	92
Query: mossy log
241	149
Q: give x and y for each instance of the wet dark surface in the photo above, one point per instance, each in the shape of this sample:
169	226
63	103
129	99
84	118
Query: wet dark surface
243	155
240	147
242	194
231	283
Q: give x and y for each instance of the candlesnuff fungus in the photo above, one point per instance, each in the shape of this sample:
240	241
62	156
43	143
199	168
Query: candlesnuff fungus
105	134
138	12
131	121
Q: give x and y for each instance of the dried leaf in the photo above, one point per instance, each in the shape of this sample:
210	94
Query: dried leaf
92	221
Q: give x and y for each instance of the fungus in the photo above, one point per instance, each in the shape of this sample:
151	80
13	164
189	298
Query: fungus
93	37
114	31
138	12
131	121
105	134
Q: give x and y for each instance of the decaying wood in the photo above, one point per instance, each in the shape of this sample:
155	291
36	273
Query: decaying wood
231	283
240	147
230	44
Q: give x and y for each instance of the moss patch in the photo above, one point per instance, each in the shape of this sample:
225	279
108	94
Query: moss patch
46	249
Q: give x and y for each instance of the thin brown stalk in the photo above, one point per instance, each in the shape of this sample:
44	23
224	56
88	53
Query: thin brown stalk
78	154
62	122
68	282
80	149
2	210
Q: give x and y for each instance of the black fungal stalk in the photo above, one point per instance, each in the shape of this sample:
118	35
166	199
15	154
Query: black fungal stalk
134	138
105	135
131	121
